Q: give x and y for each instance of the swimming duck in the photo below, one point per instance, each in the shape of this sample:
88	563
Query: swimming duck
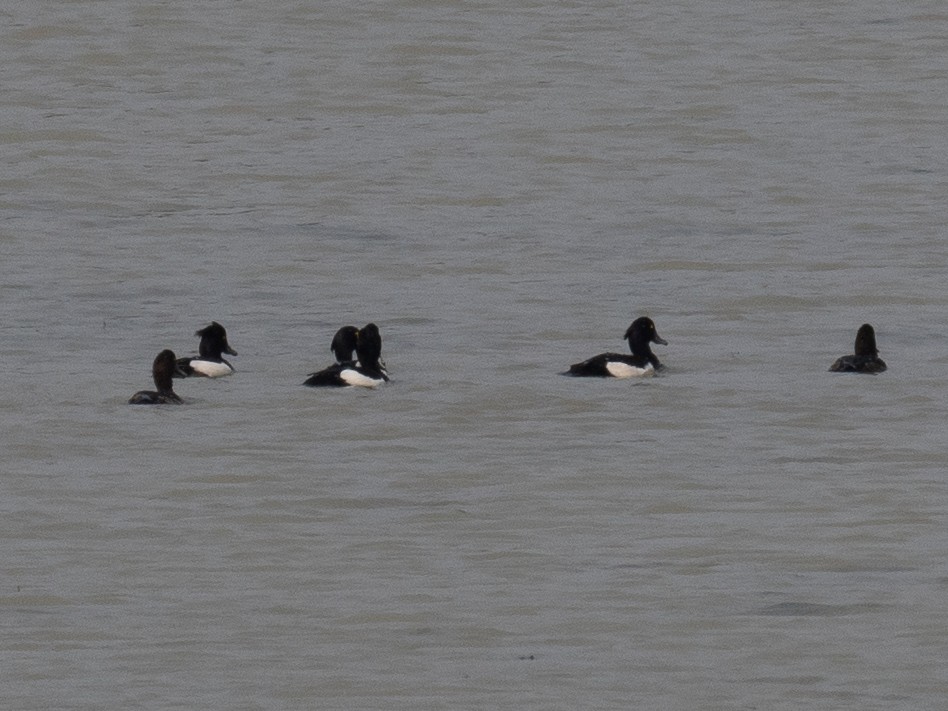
642	362
162	369
209	363
368	371
866	357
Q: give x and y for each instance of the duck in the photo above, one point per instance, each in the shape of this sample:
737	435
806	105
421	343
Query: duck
642	362
163	369
866	357
209	364
367	372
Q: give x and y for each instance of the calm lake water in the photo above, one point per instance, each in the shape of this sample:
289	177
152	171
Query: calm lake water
502	188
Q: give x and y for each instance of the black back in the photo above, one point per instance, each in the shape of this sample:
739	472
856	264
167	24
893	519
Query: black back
327	377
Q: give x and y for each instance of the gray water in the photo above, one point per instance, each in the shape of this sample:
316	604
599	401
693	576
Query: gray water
502	187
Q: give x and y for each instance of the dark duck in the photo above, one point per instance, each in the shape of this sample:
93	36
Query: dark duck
367	372
641	362
210	363
162	370
866	357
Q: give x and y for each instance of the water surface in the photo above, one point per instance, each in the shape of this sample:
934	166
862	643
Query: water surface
502	189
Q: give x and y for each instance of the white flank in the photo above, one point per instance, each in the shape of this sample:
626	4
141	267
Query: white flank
618	369
354	377
210	369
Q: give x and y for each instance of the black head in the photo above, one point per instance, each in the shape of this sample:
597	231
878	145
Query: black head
344	343
369	345
214	341
164	368
866	341
642	331
640	334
